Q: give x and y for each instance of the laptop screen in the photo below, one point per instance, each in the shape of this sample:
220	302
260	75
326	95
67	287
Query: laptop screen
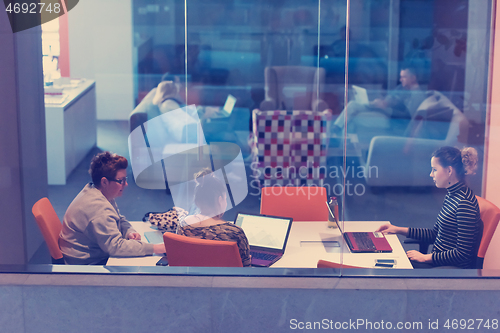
265	231
229	105
360	95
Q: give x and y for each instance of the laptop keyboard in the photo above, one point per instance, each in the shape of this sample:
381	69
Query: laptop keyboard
263	256
363	240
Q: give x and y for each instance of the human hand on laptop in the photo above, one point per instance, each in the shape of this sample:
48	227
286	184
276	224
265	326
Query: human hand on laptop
392	229
379	103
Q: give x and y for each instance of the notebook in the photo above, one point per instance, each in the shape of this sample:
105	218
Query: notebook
267	236
227	109
364	242
360	95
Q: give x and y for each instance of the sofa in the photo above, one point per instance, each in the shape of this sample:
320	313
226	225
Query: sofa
404	160
221	129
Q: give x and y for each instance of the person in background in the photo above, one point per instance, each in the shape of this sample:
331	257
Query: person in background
167	97
401	103
93	229
458	229
210	198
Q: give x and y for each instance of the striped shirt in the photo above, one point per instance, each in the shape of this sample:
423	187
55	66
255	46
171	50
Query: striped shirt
457	232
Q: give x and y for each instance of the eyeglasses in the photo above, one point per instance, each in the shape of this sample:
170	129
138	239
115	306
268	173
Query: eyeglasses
119	181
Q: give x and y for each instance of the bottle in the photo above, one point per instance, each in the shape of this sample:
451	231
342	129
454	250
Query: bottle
334	212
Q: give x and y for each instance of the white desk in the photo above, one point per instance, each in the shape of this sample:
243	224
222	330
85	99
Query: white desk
304	247
71	131
141	228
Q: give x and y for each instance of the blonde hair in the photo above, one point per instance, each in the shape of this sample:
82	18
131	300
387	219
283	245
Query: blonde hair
207	192
469	160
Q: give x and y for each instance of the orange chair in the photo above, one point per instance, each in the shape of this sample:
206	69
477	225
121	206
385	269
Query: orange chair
195	252
300	203
329	264
490	214
50	226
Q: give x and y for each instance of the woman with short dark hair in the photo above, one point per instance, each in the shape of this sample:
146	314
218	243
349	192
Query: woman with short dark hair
93	228
458	229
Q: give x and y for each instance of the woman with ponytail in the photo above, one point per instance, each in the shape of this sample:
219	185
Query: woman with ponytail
458	229
210	198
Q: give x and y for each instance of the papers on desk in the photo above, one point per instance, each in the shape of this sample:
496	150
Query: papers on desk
55	98
154	237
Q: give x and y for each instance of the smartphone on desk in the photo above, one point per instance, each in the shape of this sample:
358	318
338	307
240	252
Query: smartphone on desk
162	262
387	263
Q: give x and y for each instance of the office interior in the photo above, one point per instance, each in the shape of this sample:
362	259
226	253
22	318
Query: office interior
227	54
219	48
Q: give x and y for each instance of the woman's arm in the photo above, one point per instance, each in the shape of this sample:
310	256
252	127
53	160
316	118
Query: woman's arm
392	229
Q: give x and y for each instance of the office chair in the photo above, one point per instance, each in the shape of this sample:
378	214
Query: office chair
490	215
329	264
194	252
50	226
300	203
289	147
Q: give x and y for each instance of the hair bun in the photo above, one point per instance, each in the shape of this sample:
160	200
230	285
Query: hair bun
199	177
469	160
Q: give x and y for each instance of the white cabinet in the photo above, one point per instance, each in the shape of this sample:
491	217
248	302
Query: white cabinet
71	131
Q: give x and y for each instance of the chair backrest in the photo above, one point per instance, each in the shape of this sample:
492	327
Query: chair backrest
49	225
294	88
302	203
439	119
289	148
490	215
329	264
194	252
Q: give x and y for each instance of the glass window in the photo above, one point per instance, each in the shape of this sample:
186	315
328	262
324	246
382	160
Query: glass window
353	97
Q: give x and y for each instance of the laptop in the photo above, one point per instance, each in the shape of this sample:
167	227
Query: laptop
364	242
267	236
227	109
360	95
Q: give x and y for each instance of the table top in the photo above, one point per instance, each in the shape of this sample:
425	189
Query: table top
70	94
305	247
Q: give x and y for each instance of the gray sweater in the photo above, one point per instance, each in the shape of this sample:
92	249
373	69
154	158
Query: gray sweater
93	230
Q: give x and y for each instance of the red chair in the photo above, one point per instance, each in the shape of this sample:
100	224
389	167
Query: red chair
195	252
490	215
329	264
50	226
300	203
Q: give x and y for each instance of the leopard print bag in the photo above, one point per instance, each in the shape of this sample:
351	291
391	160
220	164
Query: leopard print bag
167	221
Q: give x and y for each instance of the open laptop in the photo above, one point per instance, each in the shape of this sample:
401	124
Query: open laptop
267	236
364	242
360	95
227	109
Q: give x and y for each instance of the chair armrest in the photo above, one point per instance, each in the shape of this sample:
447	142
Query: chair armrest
144	111
319	105
137	119
423	246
